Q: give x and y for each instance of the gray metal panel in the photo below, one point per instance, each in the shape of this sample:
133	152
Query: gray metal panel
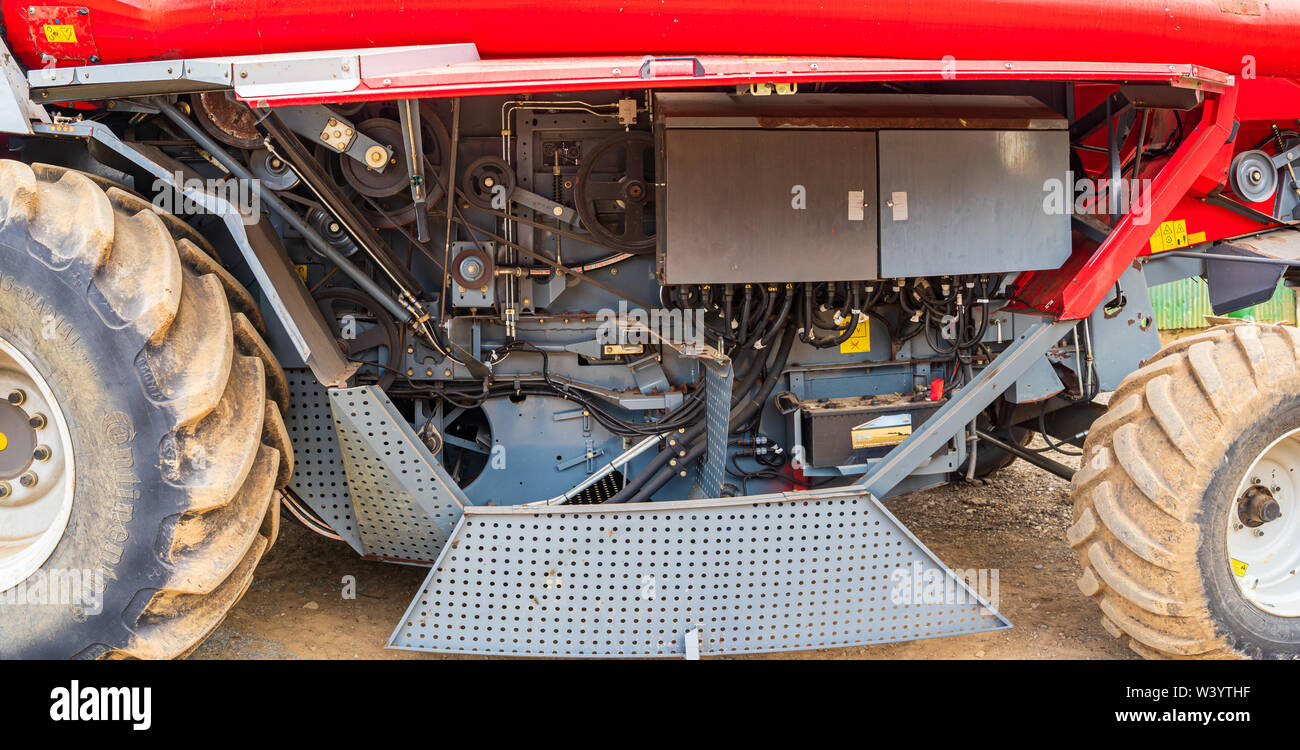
779	572
718	378
318	474
974	201
1039	382
1121	343
732	214
405	503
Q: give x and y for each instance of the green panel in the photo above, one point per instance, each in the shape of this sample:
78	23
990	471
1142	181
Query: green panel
1185	303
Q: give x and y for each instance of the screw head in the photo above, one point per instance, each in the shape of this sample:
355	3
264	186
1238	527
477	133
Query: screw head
5	490
28	479
17	396
37	421
42	453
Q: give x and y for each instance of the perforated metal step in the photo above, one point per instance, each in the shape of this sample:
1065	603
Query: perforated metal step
406	505
780	572
318	474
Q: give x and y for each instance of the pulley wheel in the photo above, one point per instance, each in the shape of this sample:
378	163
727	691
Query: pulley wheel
1252	176
486	178
615	192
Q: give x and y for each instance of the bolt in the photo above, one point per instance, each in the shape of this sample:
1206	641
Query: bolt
5	490
37	421
446	373
42	453
28	479
1259	532
429	372
17	397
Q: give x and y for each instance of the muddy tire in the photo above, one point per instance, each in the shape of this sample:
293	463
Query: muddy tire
1156	495
153	357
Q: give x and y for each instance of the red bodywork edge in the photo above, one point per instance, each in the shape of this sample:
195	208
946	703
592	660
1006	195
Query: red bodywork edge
1200	164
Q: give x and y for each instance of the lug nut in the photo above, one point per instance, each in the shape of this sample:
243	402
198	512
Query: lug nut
17	397
28	479
36	421
42	453
5	490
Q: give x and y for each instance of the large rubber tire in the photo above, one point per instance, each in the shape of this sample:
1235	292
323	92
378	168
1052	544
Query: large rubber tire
154	355
1158	482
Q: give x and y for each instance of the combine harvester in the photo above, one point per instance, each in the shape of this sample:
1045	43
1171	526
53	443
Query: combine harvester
623	317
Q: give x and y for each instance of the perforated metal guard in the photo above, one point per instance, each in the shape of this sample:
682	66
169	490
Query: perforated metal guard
406	505
781	572
717	406
318	474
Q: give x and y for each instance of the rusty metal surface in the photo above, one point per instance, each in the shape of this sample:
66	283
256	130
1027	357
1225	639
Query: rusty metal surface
227	120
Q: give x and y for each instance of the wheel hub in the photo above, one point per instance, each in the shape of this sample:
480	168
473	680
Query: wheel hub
1263	529
17	440
36	469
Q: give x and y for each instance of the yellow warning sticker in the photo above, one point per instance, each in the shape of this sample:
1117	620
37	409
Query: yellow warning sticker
860	341
1239	567
60	33
302	272
1172	235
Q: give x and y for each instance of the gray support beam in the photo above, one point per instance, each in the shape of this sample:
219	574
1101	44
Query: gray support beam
966	403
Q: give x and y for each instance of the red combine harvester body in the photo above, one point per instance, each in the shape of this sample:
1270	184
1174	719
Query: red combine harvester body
689	286
1215	33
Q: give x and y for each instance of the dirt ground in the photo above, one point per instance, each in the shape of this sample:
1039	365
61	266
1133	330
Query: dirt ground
1015	523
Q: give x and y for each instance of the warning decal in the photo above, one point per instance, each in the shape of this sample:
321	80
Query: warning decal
1172	235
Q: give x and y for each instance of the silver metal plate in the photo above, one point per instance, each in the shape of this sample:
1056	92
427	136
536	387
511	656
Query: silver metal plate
780	572
718	377
318	475
406	504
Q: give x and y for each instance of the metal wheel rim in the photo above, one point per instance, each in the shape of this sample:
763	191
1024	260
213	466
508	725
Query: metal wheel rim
1265	560
33	519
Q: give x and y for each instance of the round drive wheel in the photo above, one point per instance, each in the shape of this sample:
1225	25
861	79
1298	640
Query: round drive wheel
1187	505
141	442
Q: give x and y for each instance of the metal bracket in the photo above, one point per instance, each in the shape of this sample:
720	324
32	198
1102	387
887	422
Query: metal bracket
323	125
16	110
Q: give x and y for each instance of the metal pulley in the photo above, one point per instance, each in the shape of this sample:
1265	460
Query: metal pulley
1252	176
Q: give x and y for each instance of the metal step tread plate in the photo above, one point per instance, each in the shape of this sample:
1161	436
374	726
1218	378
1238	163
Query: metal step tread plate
779	572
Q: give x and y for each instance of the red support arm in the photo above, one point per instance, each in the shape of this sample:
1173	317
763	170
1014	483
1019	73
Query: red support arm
1074	290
